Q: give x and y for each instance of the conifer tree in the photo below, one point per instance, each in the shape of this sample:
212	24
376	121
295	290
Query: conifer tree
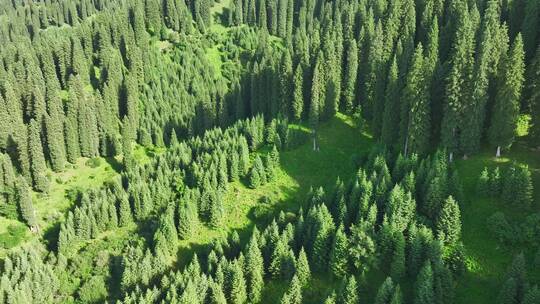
390	124
317	92
350	293
529	27
523	190
37	159
187	220
533	97
238	294
339	253
507	99
257	174
124	212
24	199
298	93
482	187
303	271
424	286
254	271
350	77
416	109
397	267
457	81
449	222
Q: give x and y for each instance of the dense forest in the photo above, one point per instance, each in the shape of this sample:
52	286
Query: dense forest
270	151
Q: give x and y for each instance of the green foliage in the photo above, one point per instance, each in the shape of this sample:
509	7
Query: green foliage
448	225
94	290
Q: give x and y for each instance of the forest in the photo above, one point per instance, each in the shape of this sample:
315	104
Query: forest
270	151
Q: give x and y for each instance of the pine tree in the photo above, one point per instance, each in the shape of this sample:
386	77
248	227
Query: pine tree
350	77
449	222
457	82
254	271
482	187
303	271
416	109
55	134
238	294
362	250
298	93
390	125
257	174
424	286
507	99
397	267
495	186
26	208
350	293
216	210
529	27
285	83
124	212
523	190
317	92
339	253
533	97
37	159
386	292
187	220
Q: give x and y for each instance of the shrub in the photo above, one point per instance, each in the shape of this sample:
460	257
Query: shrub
93	162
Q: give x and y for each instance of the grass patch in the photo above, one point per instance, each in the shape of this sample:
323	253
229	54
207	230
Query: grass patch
65	186
487	259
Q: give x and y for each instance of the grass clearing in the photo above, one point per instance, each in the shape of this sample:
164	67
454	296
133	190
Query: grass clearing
487	259
66	185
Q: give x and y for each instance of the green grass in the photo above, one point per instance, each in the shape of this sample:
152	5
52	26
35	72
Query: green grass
64	187
487	259
12	233
213	55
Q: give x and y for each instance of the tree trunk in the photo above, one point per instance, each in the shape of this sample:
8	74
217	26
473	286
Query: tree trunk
406	146
498	154
451	157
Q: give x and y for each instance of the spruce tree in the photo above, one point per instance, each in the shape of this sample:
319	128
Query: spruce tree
424	286
37	159
303	271
416	123
298	93
397	267
26	208
238	294
254	271
390	124
523	190
350	77
350	293
449	222
507	100
339	253
482	187
317	92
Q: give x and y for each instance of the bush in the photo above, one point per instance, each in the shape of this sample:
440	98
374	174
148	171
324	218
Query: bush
14	235
93	162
